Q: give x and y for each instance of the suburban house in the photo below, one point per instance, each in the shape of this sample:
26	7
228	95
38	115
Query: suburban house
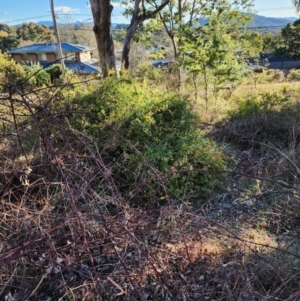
77	58
279	62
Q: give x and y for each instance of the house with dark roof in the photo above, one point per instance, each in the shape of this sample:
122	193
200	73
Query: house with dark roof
77	58
279	62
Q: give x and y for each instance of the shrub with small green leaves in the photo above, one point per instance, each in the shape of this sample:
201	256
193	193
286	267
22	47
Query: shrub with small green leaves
11	73
54	71
142	131
37	74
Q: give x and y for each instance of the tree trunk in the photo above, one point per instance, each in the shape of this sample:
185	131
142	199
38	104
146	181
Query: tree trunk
101	10
127	42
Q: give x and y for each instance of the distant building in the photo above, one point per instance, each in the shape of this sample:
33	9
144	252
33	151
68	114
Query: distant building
77	58
160	63
279	62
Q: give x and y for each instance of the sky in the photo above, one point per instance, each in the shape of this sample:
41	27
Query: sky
20	11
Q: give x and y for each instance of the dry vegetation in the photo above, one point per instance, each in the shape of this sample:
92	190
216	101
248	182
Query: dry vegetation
68	233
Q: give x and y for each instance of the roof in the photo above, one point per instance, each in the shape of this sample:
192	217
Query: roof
160	63
50	47
82	68
279	62
77	67
275	58
255	67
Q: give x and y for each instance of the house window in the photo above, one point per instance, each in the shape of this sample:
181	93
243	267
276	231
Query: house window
70	56
42	57
24	56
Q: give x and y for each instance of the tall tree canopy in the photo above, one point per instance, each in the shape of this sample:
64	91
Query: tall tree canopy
35	33
289	43
8	38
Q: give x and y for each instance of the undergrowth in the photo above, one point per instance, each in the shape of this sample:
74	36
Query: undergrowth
161	126
110	191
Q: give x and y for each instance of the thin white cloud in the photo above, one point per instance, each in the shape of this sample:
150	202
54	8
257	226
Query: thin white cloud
4	13
66	10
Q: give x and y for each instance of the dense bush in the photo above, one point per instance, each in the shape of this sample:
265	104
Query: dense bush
11	73
141	131
54	71
38	75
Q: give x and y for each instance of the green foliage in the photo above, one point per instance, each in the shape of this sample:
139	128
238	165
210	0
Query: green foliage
270	42
37	74
35	33
145	71
161	126
54	71
289	43
8	38
252	44
212	51
180	14
11	73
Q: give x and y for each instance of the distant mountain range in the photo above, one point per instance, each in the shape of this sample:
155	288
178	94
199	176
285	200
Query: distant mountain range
259	23
263	24
88	22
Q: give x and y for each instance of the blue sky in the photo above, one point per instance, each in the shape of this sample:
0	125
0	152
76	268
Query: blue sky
19	11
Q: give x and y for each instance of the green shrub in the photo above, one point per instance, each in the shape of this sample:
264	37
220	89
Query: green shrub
161	126
11	73
37	74
54	71
147	71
